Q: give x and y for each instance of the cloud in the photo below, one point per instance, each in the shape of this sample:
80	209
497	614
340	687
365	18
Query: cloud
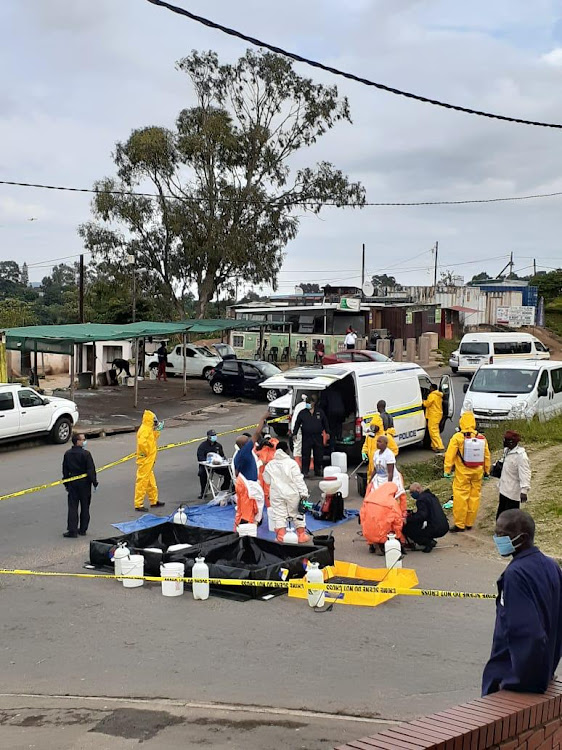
83	74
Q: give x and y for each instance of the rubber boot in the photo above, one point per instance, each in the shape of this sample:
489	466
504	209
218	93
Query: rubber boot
280	534
302	536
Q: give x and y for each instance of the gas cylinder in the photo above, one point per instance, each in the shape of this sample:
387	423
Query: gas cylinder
180	516
392	552
200	570
290	534
314	575
121	552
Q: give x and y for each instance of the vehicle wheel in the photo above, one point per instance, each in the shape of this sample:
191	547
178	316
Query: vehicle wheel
454	370
218	387
62	431
208	373
282	430
271	394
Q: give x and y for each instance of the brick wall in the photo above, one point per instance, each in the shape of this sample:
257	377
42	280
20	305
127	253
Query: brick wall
503	721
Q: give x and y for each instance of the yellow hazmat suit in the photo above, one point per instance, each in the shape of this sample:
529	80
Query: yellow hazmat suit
370	443
147	439
434	414
468	481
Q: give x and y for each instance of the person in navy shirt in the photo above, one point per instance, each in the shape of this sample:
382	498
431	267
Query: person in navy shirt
527	640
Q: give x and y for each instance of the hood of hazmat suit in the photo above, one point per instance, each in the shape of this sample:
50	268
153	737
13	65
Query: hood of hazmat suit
380	514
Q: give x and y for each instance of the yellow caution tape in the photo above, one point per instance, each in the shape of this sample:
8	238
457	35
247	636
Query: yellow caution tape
298	583
123	460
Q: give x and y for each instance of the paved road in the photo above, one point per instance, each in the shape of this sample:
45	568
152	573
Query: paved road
94	638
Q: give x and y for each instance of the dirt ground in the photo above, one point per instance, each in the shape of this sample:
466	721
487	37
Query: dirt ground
548	338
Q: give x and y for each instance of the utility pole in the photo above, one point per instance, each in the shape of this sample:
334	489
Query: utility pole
134	261
436	251
534	266
363	266
81	308
511	263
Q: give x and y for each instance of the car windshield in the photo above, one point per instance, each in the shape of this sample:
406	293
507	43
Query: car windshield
378	357
500	380
267	368
474	347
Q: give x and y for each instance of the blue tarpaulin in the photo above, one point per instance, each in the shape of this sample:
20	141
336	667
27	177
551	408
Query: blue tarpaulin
222	518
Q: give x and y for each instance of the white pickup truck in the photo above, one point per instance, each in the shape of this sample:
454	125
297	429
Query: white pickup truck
200	361
25	413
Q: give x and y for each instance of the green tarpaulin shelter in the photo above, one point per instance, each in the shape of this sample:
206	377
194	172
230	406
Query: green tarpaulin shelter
62	339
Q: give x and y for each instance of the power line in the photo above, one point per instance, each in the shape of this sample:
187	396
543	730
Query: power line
351	76
41	263
337	204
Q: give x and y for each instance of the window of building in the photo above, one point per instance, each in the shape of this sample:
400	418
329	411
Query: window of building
238	340
112	352
430	318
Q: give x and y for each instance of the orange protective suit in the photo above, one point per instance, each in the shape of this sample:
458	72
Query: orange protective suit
249	501
265	454
380	514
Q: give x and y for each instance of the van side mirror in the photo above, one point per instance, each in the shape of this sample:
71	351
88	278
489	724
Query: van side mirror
543	391
465	387
46	401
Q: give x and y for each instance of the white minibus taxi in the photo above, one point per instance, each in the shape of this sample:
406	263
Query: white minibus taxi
485	348
515	389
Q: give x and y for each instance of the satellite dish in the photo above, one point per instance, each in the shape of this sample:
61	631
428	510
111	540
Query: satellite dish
368	289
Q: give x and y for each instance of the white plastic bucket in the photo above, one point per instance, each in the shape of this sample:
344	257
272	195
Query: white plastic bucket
172	569
331	471
338	458
344	485
132	566
131	382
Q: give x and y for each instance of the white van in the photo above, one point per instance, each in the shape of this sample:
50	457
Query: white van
515	390
485	348
361	385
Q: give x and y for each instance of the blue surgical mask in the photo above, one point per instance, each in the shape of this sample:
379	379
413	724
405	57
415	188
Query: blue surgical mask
505	546
84	444
308	406
213	438
415	494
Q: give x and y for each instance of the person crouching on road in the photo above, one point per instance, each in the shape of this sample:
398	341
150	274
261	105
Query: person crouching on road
428	522
467	482
286	488
147	441
515	478
211	445
433	406
78	461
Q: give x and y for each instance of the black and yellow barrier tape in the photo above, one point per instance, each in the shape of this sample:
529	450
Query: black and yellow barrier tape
298	583
130	457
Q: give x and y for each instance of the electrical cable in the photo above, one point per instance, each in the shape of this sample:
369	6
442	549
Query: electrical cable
351	76
337	204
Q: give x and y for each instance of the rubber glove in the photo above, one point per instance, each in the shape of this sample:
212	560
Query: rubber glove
96	488
486	477
364	456
447	475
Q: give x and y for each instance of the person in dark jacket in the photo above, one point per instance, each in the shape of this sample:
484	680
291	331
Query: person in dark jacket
78	461
428	522
387	420
527	640
312	421
333	406
211	445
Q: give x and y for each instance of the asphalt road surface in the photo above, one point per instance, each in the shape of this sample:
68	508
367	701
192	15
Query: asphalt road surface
220	673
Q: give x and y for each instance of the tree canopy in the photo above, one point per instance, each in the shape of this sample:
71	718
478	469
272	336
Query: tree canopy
227	192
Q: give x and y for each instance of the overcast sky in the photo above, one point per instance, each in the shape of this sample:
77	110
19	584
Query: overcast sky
79	75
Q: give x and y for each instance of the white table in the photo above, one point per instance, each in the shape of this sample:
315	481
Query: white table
213	478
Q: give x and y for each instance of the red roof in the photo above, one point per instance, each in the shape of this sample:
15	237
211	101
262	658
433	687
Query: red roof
460	308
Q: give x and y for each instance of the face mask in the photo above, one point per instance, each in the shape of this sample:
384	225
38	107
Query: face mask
84	444
509	444
415	494
213	438
505	546
309	406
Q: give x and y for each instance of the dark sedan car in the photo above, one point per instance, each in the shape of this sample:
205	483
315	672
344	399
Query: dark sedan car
242	377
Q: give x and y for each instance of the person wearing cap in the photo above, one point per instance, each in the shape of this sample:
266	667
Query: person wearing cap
515	478
211	445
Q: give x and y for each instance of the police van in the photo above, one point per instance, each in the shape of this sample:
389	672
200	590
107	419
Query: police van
486	348
360	386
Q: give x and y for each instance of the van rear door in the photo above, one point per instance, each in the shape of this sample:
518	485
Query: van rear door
446	388
472	354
